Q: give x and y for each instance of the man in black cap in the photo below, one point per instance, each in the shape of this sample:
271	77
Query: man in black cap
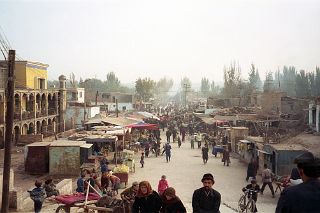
304	197
206	199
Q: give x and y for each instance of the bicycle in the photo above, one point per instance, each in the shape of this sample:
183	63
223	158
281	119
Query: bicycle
245	205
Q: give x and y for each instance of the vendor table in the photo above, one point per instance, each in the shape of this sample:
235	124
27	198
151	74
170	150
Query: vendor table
217	149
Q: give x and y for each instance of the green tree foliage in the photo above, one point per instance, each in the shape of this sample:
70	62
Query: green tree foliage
162	89
72	81
268	83
145	88
286	80
112	83
302	85
312	82
93	85
185	82
231	81
214	90
53	84
205	86
317	82
258	81
254	79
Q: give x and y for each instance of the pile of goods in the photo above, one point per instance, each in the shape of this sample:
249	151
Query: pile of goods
121	169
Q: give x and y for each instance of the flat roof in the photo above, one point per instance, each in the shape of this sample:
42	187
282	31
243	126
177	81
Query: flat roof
87	145
296	147
244	141
67	143
240	127
39	144
255	139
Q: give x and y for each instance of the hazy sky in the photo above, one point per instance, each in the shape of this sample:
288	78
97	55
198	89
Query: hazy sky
173	38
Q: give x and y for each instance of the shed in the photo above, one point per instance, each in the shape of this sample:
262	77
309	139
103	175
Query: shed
64	157
85	153
36	158
246	150
237	134
282	157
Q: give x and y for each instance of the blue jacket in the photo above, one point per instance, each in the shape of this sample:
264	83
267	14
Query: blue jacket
80	185
38	194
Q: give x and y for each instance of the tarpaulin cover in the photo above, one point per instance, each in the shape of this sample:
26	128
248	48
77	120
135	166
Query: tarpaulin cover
143	125
74	198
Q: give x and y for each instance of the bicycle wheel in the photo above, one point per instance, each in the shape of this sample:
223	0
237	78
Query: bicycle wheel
63	209
251	206
242	203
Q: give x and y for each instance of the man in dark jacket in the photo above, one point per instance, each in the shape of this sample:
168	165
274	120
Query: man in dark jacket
206	199
305	197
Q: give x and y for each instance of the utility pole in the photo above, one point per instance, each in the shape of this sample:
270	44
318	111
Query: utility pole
8	135
97	94
117	112
186	87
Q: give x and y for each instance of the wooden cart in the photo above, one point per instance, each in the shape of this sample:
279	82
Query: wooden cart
124	177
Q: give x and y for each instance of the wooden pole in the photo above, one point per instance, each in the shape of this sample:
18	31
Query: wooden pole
8	134
117	108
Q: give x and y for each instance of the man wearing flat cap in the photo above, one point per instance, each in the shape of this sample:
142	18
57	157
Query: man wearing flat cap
305	197
206	199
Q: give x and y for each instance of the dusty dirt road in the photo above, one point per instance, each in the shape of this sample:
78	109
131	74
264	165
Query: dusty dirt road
186	169
184	173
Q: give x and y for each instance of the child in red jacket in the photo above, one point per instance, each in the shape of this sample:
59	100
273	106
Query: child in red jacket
163	184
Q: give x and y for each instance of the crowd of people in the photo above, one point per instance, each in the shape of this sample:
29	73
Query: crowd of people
141	198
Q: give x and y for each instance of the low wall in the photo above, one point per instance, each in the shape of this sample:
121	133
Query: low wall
27	139
24	202
11	181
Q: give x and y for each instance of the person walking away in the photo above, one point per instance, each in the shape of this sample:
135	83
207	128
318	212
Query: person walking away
147	200
50	188
205	154
206	199
199	139
80	183
179	141
255	188
183	134
267	179
168	134
142	160
304	197
129	194
251	170
226	157
192	141
37	195
171	203
174	134
147	149
167	149
162	185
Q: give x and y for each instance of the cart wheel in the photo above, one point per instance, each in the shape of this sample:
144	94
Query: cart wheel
63	209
